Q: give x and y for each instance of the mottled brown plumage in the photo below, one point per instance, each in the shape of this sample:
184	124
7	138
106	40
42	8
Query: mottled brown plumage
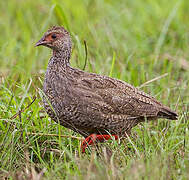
91	103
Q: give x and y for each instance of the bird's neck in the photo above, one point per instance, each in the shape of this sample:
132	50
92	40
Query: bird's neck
61	58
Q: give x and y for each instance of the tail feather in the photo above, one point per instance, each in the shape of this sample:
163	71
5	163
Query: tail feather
167	113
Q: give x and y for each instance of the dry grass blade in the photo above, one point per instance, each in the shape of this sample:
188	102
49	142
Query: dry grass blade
152	80
56	135
86	54
21	111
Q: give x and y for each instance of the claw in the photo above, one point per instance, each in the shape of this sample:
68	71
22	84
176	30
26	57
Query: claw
94	138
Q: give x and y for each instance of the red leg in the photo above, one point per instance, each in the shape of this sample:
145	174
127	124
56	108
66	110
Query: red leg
93	138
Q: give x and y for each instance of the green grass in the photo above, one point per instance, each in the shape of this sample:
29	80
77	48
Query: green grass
133	40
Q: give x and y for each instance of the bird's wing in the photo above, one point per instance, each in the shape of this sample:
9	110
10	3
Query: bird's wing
112	96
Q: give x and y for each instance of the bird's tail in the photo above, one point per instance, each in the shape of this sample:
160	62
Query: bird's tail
167	113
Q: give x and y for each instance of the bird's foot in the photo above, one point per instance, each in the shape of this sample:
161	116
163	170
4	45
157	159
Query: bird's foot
94	138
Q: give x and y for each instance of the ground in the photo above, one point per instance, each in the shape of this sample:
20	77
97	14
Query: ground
136	41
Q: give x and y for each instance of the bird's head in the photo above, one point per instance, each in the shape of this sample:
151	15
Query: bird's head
56	38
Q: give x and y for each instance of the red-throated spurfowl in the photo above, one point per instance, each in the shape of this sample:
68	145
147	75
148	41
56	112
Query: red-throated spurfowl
98	107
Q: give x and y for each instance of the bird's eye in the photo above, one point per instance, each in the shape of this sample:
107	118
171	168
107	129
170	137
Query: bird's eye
53	36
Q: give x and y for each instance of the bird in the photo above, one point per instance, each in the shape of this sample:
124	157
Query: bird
96	106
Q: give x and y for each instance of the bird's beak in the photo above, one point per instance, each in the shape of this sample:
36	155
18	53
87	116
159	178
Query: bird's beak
42	41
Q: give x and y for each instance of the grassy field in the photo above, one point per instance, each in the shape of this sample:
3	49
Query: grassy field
147	39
